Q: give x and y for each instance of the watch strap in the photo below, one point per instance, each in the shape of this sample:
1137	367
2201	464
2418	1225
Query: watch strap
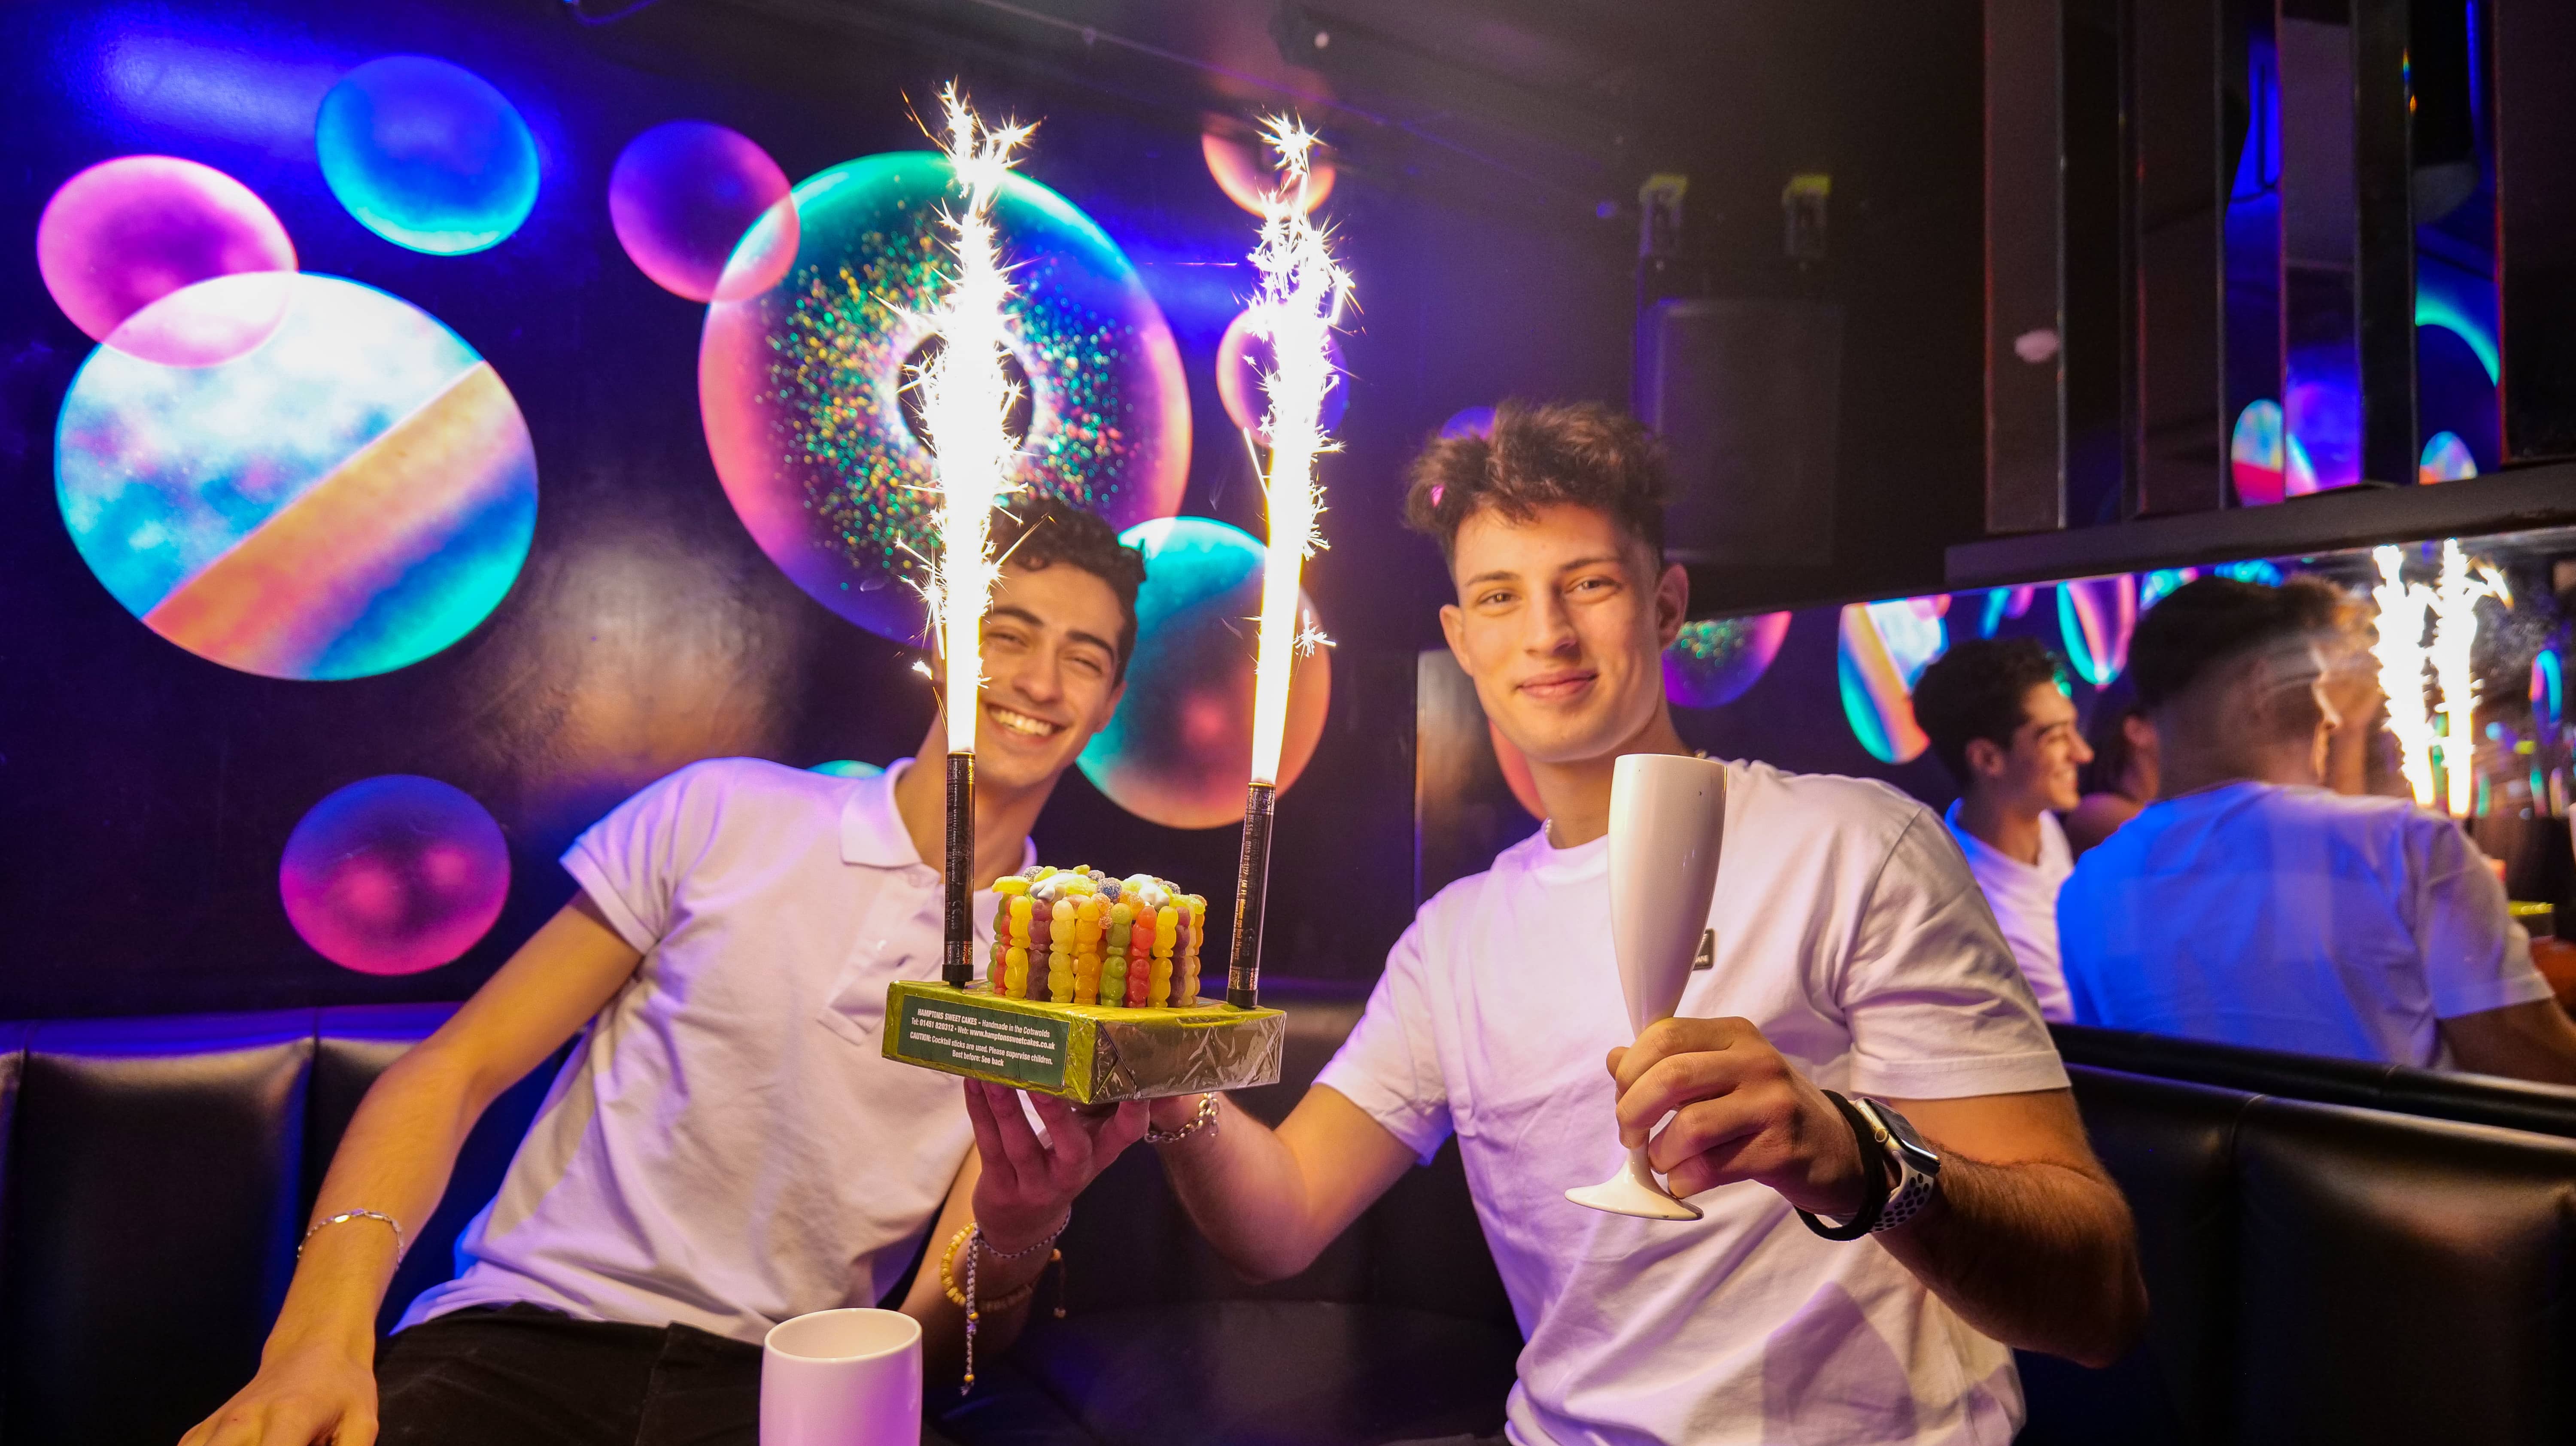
1874	1167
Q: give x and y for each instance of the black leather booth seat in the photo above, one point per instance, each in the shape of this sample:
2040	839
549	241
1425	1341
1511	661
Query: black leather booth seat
2469	1098
2320	1272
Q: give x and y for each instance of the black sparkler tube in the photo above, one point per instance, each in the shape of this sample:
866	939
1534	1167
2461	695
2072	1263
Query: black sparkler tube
957	963
1251	893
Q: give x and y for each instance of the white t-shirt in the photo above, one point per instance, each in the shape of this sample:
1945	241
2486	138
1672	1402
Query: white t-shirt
2292	918
2024	898
1848	930
727	1147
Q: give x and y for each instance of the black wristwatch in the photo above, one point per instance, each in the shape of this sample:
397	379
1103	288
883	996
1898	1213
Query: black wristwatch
1904	1172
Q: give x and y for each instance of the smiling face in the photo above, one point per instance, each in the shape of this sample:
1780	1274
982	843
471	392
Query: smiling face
1050	673
2039	770
1562	619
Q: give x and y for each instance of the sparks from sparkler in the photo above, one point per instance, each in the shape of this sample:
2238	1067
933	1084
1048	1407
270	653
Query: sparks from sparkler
1303	293
2404	607
967	397
2455	599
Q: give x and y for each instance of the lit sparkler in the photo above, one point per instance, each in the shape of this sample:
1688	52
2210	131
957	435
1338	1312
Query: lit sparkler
966	404
2404	608
1303	293
2455	631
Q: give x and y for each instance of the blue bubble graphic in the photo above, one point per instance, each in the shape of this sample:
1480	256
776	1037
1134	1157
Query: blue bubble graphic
427	155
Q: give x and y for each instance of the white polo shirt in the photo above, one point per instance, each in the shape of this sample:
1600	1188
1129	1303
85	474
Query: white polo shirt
1850	932
2292	918
726	1147
2024	898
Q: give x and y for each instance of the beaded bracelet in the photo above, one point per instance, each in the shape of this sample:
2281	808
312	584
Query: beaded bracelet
974	1311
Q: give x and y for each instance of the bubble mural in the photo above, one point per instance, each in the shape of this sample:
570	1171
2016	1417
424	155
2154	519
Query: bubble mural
394	875
1468	422
847	768
2095	618
2446	459
1243	168
125	235
800	387
1884	647
684	193
2255	454
428	155
2002	603
347	499
1242	359
1181	744
1715	660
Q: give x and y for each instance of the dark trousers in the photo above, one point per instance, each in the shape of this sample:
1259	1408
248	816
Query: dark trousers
519	1375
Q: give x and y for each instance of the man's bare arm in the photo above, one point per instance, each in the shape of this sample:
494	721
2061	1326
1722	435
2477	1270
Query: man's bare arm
1270	1201
2030	1241
2533	1041
316	1377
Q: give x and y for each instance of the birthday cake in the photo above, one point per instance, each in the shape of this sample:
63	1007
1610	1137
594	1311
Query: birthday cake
1091	992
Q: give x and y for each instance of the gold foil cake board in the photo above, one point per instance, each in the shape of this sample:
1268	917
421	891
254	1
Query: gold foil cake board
1089	1053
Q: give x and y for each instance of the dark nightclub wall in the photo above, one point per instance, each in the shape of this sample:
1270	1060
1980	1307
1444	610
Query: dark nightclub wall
150	793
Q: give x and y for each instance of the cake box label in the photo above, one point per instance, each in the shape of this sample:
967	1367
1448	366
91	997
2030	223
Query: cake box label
1026	1048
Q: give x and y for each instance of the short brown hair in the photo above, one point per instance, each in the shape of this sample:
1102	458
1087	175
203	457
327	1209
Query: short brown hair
1535	456
1038	532
2215	620
1978	690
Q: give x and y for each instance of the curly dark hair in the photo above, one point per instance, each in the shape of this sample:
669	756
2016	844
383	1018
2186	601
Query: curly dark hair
1536	456
1037	533
1976	690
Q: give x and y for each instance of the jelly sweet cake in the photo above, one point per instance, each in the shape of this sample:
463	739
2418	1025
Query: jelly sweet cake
1090	991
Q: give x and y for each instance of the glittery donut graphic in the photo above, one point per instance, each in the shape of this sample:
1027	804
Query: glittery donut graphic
802	387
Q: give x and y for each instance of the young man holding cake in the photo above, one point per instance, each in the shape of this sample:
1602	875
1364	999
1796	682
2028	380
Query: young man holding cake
726	1147
1852	954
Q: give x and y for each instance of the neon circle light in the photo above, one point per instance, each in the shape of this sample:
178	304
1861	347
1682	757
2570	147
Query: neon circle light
1242	359
394	875
2096	617
1884	647
1715	660
353	496
126	233
427	154
799	386
2255	454
1180	746
2446	459
681	198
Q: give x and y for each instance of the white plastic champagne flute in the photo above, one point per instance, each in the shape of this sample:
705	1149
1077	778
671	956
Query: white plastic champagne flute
1667	816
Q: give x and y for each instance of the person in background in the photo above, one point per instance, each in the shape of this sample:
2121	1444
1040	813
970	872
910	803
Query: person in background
1851	953
2000	721
2121	779
2251	905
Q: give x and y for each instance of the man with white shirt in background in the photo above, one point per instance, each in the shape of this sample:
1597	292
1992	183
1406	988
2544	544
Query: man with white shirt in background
1999	719
2251	905
1856	1277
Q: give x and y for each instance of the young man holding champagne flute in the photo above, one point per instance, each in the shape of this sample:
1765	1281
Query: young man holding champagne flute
1863	1300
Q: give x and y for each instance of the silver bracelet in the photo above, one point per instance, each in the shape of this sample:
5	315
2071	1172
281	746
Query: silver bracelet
1024	1252
401	1245
1205	1119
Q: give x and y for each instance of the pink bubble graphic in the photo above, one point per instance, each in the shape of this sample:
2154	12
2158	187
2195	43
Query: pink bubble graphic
394	875
1715	660
1243	358
128	232
685	194
2096	616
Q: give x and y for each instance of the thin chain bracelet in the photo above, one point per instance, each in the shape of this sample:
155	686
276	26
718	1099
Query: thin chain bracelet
401	1245
1205	1119
971	1240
